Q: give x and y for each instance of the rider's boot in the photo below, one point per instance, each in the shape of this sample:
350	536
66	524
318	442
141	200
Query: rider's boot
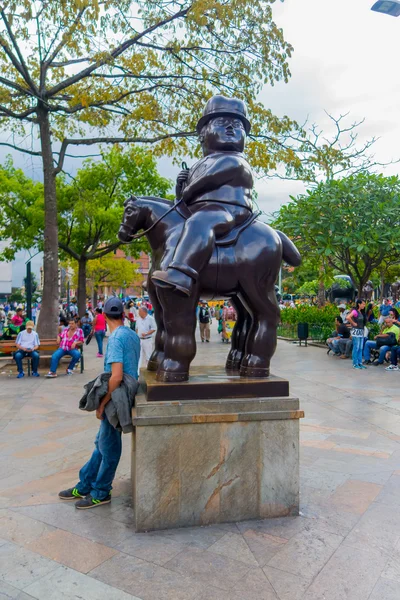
178	276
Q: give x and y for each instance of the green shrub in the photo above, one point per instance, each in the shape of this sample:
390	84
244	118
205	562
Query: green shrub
313	315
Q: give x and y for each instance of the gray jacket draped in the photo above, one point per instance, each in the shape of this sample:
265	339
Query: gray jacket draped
119	409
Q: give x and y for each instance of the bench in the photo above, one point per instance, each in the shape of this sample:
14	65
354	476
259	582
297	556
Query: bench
46	349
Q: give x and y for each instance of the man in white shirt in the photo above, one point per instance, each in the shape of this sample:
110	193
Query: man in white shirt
145	328
27	344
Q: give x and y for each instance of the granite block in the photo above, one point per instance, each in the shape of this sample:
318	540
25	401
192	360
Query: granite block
204	462
279	457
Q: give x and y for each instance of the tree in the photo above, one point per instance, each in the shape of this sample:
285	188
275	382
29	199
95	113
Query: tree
90	207
112	272
351	224
314	156
85	72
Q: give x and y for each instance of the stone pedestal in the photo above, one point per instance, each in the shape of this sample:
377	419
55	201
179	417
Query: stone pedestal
199	462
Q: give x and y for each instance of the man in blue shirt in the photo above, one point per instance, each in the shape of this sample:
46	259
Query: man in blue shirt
384	310
122	356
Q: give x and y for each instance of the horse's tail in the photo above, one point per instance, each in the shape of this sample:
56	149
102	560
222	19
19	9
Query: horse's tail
290	254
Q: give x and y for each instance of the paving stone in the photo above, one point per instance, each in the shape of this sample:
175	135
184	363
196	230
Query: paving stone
349	575
386	590
379	527
9	592
263	545
392	569
195	537
254	586
209	568
66	584
286	585
233	545
285	527
390	494
20	529
71	550
20	567
355	496
146	580
306	553
155	549
94	527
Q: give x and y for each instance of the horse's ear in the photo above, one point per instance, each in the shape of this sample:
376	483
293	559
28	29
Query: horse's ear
130	200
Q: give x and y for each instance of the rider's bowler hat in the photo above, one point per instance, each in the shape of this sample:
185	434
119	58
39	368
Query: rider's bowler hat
218	106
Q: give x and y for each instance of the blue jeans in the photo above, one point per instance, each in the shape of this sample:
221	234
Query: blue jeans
96	477
20	354
86	328
99	335
382	351
358	343
58	355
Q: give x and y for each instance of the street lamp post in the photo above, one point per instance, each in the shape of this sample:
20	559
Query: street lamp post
388	7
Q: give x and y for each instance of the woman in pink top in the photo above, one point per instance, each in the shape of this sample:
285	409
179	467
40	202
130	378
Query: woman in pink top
99	328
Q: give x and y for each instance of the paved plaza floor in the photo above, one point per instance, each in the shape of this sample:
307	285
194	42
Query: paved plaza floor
344	546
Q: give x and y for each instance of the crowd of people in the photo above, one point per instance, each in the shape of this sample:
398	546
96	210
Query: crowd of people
75	330
352	332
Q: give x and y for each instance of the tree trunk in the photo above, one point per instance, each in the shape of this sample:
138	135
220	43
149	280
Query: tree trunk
48	321
82	286
321	296
382	286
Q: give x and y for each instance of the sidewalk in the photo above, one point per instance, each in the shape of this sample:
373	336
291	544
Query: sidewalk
344	546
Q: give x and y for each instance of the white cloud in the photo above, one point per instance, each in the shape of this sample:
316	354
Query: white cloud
345	60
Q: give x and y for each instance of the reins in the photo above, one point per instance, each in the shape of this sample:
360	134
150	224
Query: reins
137	236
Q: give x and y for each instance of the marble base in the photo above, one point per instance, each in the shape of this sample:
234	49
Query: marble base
202	462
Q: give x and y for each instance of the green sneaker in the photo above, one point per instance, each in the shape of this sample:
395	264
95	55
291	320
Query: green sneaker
71	494
90	502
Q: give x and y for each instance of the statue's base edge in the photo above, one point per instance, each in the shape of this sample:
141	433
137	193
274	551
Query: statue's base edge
212	383
205	462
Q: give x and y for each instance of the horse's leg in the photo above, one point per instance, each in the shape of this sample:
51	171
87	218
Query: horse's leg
158	352
239	334
260	299
179	343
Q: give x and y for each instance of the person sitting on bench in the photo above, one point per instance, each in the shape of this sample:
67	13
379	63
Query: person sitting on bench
69	339
27	344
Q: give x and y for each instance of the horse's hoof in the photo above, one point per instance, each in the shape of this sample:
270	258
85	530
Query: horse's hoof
253	372
232	365
171	376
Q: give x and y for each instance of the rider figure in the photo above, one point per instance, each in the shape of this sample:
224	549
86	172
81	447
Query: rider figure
216	190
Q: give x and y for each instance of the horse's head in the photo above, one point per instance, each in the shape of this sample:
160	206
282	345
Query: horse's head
132	220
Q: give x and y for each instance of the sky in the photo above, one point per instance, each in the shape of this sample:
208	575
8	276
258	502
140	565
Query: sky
345	60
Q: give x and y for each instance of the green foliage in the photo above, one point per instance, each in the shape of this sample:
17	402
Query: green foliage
17	296
350	225
313	315
141	70
90	206
110	271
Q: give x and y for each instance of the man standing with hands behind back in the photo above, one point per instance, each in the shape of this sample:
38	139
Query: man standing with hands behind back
121	356
145	327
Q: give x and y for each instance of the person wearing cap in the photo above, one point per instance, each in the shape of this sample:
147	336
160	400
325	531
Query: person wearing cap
69	339
204	321
217	192
343	312
121	356
145	328
27	344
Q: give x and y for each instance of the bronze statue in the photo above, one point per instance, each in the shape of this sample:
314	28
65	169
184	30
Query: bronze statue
210	243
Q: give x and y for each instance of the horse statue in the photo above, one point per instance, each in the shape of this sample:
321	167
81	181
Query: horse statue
243	267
